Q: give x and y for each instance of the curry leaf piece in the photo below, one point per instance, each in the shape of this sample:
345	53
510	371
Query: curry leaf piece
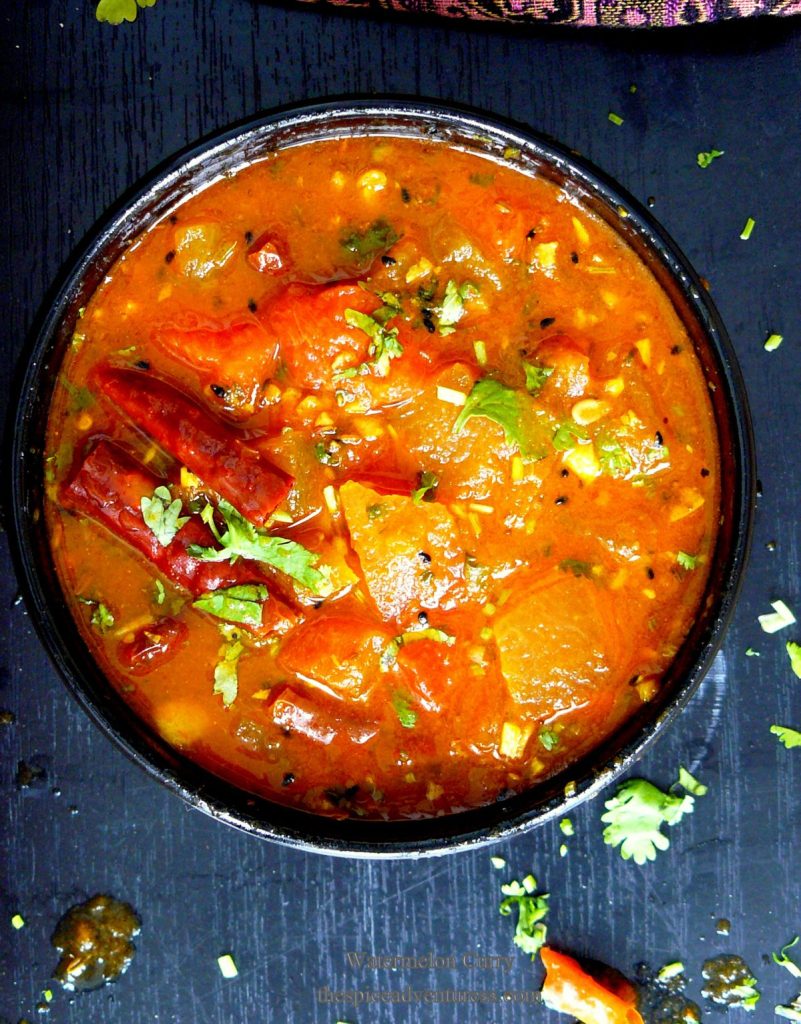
428	485
497	402
789	737
407	716
117	11
536	376
163	515
783	960
794	651
368	244
531	930
241	604
635	815
384	344
241	539
226	674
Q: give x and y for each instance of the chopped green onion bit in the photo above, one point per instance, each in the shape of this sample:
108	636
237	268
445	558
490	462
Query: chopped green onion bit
615	118
566	825
704	159
772	342
780	618
227	965
17	921
751	653
670	971
563	850
745	234
794	651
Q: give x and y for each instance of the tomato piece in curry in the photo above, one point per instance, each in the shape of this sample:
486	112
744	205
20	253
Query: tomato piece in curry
382	478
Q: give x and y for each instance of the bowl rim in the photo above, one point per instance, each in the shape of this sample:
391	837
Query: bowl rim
199	787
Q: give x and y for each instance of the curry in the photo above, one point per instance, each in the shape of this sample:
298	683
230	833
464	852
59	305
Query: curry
382	478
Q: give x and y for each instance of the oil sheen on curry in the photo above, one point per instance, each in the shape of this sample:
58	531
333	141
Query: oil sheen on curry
382	478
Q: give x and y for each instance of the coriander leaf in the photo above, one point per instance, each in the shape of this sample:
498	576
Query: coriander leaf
548	738
241	604
163	515
428	485
390	653
613	458
794	651
497	402
242	539
384	344
690	783
368	244
789	737
567	435
783	960
536	376
226	676
704	159
407	716
688	562
634	817
117	11
102	619
532	909
452	309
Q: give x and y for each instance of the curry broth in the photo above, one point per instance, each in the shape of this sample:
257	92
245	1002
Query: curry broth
472	636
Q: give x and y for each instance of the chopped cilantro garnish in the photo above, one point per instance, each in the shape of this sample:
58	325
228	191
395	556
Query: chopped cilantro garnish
613	458
794	651
780	618
327	453
428	484
407	716
772	342
163	515
548	738
686	561
366	245
577	567
384	344
81	398
497	402
783	960
690	783
748	229
101	618
226	676
635	815
241	539
789	737
452	309
390	653
704	159
532	909
241	604
117	11
536	376
567	435
751	653
160	593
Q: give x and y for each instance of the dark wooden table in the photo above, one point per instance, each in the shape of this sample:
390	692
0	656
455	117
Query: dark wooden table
84	110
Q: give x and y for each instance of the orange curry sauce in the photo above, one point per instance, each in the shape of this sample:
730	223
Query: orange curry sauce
471	410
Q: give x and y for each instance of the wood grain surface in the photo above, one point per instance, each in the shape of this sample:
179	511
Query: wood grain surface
84	110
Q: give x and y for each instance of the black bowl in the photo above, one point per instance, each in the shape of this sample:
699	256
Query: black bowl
184	175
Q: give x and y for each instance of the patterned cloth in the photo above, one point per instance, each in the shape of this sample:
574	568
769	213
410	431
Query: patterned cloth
631	13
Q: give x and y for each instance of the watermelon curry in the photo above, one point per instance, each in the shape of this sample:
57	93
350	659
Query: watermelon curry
382	478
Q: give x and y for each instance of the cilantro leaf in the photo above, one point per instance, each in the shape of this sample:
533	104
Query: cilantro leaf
497	402
117	11
368	244
548	738
241	539
613	458
704	159
532	909
101	618
163	515
688	562
452	309
789	737
428	485
567	435
536	376
407	716
635	815
794	651
226	674
384	344
241	604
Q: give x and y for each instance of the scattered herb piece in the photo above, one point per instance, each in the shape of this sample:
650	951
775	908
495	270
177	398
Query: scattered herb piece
791	1012
532	909
789	737
494	401
567	435
428	485
117	11
747	231
577	568
566	827
163	515
452	309
751	653
670	971
384	344
772	342
327	454
783	960
615	118
704	159
688	562
17	922
227	965
780	618
160	592
368	244
102	619
407	716
635	815
548	738
242	604
794	651
690	783
226	675
480	349
498	863
613	458
241	539
536	376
